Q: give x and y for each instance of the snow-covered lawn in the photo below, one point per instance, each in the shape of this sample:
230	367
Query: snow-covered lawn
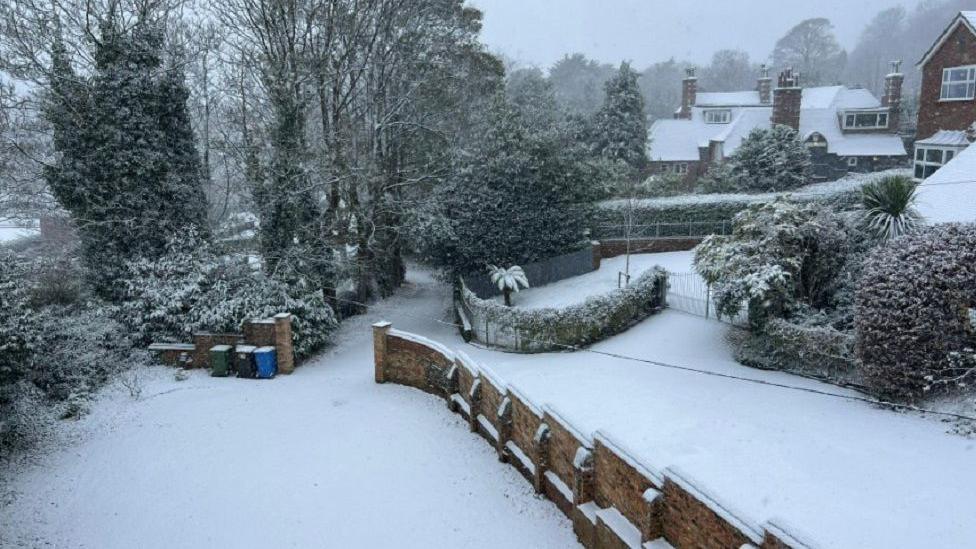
321	458
9	234
576	289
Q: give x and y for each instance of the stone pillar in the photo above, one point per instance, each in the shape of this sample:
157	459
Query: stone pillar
787	100
284	346
540	447
597	255
474	397
380	331
504	416
582	476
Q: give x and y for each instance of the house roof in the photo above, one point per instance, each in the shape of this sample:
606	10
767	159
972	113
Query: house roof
679	140
728	99
947	195
946	138
965	18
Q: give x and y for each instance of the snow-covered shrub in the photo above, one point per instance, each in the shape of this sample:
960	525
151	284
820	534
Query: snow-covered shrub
541	330
780	254
889	206
767	160
803	344
666	184
192	290
912	311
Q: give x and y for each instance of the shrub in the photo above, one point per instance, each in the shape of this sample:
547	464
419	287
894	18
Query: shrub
191	290
889	209
912	312
779	255
801	345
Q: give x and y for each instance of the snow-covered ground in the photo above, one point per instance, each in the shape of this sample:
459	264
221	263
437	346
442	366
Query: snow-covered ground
577	289
326	457
321	458
9	234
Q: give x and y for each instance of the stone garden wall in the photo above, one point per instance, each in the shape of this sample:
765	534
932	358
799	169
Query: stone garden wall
612	498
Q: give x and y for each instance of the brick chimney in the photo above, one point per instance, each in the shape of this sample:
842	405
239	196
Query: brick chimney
787	98
765	86
892	96
689	94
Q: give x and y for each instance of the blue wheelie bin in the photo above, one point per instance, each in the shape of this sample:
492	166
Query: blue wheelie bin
267	362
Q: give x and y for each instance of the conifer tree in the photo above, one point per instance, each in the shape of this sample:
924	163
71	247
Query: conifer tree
126	167
620	127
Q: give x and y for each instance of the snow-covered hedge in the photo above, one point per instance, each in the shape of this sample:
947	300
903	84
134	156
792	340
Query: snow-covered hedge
843	194
541	330
914	313
794	347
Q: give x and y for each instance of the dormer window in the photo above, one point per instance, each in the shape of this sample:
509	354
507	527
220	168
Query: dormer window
958	84
718	116
866	120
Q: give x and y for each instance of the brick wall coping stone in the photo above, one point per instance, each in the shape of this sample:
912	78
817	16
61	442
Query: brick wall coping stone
627	456
777	527
682	479
524	400
467	362
577	434
493	378
625	530
448	354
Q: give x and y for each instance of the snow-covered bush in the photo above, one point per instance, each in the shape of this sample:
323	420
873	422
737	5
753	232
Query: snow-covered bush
51	356
192	290
889	206
767	160
803	344
779	255
912	311
541	330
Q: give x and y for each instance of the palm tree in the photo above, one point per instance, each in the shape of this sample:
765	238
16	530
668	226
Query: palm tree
889	206
508	280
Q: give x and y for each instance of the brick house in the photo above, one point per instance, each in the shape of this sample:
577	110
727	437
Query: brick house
846	129
947	105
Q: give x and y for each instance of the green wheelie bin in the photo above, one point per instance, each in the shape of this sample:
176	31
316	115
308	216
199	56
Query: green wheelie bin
220	360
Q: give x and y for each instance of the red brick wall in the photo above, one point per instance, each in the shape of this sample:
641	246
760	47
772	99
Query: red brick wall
617	483
933	115
685	517
408	361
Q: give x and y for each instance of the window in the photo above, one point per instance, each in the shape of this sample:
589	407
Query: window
865	120
851	161
958	83
929	159
677	168
718	117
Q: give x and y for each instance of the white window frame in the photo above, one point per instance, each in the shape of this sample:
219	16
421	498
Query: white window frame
718	116
927	163
850	120
969	82
851	161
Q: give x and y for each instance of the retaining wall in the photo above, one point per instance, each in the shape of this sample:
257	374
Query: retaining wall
612	498
617	247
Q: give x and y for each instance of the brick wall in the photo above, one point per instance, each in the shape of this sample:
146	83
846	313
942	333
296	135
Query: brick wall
613	497
933	115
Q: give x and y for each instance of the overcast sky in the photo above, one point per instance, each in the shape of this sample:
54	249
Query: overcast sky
539	32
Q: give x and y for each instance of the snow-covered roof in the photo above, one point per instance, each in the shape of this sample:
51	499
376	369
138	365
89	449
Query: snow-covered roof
948	194
728	99
679	140
946	138
965	18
